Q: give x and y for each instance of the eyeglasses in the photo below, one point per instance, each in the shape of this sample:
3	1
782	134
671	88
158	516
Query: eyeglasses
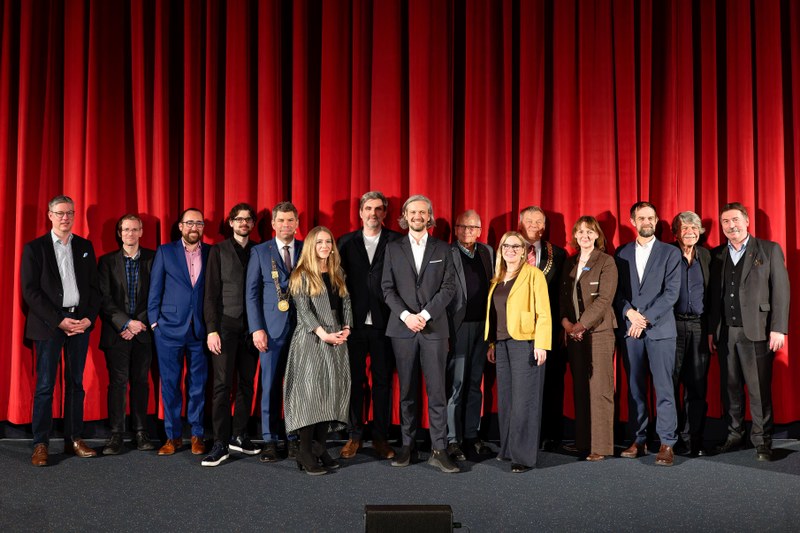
130	230
515	247
468	228
193	223
243	220
63	214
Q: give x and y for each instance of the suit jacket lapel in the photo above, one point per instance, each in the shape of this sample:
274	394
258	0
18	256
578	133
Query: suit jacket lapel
119	271
485	258
655	255
456	251
361	249
180	256
405	245
750	255
50	256
426	256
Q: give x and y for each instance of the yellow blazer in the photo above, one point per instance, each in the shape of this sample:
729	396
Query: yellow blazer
527	309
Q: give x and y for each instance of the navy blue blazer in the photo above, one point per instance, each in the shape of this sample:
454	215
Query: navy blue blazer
173	302
656	295
261	297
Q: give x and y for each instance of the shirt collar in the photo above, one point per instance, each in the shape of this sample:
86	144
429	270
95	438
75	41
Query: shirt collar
56	239
422	242
466	251
742	249
186	247
281	244
646	246
134	257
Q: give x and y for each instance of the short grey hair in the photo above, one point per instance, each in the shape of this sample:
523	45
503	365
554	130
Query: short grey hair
468	213
531	209
372	195
689	218
416	198
60	199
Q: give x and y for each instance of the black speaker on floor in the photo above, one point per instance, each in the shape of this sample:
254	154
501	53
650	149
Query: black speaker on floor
407	518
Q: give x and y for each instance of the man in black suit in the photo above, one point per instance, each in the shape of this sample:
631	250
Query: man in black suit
548	258
472	262
59	285
125	338
691	352
418	284
748	321
362	254
228	339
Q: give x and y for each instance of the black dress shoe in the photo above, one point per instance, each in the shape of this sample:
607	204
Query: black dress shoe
269	453
731	444
143	441
441	460
764	452
480	447
697	449
292	446
517	468
113	445
454	451
404	457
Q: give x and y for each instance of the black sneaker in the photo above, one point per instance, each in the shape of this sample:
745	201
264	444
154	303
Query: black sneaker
143	441
405	456
764	452
481	448
113	445
218	454
441	460
242	444
454	451
269	453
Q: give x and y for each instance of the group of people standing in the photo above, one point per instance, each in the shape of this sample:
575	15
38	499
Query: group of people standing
317	316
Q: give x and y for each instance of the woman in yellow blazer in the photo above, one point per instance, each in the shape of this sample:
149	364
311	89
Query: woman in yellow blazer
589	282
519	330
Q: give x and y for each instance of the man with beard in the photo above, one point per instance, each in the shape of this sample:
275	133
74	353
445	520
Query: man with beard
548	258
648	288
175	311
271	317
362	253
418	284
748	321
228	339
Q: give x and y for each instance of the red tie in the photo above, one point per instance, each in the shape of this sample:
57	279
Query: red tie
532	256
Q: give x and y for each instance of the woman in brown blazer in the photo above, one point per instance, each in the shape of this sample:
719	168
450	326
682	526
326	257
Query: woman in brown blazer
587	292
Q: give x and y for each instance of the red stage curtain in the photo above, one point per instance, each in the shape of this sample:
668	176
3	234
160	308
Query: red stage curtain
580	106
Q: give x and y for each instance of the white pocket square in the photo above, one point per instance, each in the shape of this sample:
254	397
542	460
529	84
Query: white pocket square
85	254
594	283
437	261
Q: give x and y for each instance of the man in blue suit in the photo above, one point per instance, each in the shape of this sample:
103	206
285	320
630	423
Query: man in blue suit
648	288
175	312
271	316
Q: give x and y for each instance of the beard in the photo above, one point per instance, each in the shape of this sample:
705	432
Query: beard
647	231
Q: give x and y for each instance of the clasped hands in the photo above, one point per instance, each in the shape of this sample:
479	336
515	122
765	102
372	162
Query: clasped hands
134	328
415	323
639	323
336	338
71	326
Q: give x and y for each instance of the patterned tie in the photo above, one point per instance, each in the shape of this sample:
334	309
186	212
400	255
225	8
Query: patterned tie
532	256
287	260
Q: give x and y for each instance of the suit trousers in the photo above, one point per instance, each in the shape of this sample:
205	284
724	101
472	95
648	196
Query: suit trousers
592	363
659	355
48	357
553	406
744	362
273	367
171	356
431	355
128	362
238	357
520	391
464	376
361	342
691	371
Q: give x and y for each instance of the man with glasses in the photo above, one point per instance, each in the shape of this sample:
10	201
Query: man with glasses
59	285
228	339
175	311
126	338
474	268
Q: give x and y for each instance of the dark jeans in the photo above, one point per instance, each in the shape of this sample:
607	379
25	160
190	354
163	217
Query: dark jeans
128	362
48	357
691	371
372	341
238	356
464	377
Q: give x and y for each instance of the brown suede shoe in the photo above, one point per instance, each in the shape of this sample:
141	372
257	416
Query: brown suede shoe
383	449
170	447
198	446
350	448
665	456
79	448
636	450
39	457
594	457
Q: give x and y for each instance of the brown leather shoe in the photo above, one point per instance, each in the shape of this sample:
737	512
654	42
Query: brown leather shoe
170	447
79	448
383	449
350	448
198	446
39	457
593	457
665	456
636	450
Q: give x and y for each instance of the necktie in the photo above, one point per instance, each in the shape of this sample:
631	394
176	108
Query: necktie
532	256
287	260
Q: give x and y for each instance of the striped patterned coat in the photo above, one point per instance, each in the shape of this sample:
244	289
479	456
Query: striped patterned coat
317	379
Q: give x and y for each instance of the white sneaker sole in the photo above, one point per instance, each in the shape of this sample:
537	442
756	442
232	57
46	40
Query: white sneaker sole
215	463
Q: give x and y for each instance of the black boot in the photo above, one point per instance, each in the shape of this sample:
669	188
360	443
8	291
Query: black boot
320	450
305	459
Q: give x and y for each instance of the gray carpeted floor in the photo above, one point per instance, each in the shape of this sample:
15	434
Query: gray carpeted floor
141	491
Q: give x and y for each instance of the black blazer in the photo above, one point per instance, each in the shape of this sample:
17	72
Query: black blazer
763	290
406	290
553	277
42	289
458	306
224	302
364	279
114	291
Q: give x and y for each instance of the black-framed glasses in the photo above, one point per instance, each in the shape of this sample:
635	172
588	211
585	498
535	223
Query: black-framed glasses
515	247
193	223
63	214
468	228
243	220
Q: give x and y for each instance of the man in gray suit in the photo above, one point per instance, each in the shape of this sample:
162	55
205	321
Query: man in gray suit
472	262
648	288
418	284
748	324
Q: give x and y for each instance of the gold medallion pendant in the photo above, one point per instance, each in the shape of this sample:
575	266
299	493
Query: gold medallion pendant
283	305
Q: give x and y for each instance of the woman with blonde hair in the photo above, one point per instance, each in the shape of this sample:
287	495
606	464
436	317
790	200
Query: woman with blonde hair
519	330
316	392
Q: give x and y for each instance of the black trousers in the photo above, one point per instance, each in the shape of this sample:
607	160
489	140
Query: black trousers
239	357
691	371
128	362
553	403
745	362
373	342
